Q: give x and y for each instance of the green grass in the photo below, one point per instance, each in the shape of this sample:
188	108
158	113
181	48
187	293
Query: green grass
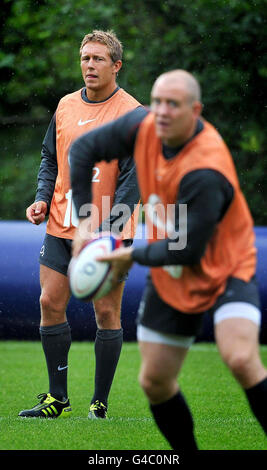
222	417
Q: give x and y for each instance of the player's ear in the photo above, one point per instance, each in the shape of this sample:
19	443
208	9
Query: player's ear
117	66
197	108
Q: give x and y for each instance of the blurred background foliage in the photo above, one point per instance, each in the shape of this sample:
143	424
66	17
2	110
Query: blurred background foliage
223	42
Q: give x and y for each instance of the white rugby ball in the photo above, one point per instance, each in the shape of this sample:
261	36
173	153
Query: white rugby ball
91	279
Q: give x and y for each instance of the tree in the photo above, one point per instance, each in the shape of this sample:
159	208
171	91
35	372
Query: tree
221	41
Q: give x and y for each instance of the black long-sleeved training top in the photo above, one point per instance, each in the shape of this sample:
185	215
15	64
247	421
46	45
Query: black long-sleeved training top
206	192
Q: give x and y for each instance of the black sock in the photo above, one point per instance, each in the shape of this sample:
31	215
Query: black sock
175	421
56	341
108	345
257	397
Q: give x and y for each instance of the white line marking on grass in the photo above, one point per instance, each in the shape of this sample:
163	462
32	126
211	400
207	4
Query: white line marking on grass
109	420
204	347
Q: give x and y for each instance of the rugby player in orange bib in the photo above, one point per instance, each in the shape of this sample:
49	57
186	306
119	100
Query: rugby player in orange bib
100	101
201	247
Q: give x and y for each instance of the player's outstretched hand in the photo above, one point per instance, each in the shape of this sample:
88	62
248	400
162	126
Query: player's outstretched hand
36	212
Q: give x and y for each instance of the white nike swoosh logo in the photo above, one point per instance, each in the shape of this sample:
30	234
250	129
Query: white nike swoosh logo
62	368
81	123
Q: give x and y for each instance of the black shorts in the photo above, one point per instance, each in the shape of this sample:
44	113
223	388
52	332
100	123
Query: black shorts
56	253
155	314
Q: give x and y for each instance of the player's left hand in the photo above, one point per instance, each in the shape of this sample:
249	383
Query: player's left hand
121	261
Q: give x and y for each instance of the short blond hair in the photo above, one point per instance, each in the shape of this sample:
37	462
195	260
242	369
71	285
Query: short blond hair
109	39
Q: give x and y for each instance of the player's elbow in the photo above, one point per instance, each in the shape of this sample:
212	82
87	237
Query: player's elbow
196	257
81	150
195	252
74	152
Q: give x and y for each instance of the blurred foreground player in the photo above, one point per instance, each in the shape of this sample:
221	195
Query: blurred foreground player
100	101
203	259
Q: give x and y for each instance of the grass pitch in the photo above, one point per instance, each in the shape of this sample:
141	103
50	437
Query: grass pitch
223	420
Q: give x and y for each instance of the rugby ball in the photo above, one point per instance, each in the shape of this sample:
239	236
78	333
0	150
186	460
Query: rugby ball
91	279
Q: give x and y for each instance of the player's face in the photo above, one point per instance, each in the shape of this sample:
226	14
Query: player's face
98	70
175	114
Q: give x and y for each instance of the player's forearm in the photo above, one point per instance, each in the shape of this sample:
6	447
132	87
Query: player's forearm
46	181
164	253
48	168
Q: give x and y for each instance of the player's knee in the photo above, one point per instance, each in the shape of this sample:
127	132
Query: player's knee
148	384
239	362
153	387
107	318
49	307
45	302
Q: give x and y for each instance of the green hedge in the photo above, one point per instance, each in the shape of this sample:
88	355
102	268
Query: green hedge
221	42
